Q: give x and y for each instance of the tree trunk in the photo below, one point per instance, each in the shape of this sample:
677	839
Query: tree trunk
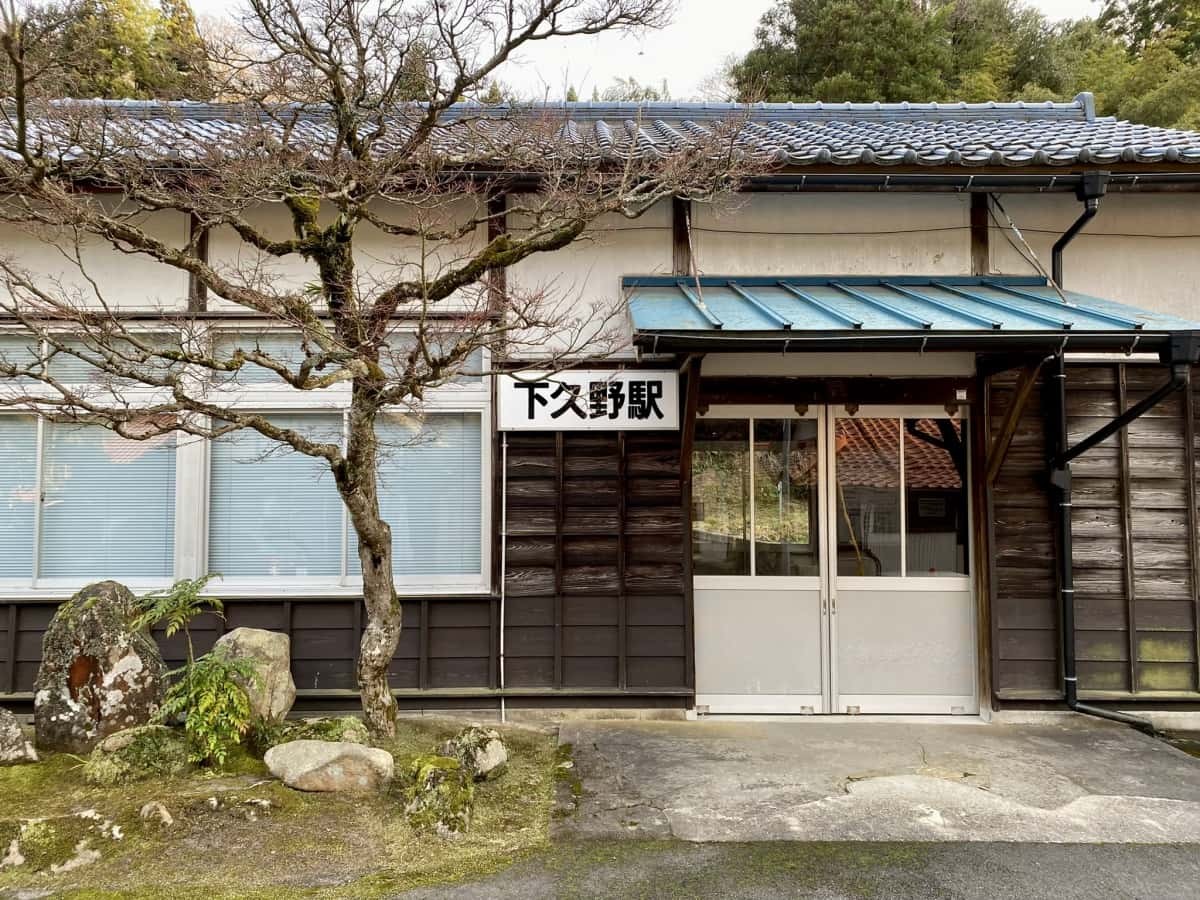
358	484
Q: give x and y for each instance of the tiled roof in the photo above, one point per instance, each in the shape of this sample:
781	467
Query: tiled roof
788	134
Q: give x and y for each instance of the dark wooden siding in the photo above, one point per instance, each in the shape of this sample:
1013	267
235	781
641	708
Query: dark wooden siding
1024	601
594	584
445	644
1134	535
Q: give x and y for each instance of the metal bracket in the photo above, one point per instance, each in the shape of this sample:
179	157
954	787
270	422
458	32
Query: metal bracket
1061	478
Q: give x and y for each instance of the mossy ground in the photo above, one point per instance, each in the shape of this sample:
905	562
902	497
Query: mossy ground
304	844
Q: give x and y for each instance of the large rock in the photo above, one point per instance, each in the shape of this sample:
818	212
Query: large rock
148	751
440	797
274	692
480	750
334	766
99	674
14	748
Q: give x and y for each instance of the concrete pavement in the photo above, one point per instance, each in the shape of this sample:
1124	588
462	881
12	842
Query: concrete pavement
847	871
1079	780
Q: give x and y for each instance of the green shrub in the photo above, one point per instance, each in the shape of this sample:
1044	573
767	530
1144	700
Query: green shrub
213	705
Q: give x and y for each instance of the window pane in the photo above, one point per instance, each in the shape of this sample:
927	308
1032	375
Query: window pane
280	345
785	497
394	359
73	370
868	487
721	497
274	511
18	493
935	496
19	351
108	507
431	494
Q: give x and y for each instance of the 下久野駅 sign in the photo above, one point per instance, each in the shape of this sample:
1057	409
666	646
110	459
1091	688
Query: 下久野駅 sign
590	400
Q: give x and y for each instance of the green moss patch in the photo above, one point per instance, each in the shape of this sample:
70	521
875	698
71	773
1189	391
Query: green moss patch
275	842
137	754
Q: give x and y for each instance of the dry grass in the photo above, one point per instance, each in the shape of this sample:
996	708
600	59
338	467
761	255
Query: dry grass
304	844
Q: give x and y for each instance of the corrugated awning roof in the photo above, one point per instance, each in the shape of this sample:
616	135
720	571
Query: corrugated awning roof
884	312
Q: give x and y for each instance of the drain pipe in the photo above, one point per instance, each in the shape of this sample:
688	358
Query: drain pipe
1090	189
1060	496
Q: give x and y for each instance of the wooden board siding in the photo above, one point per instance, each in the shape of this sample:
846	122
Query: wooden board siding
445	644
594	584
1024	602
1134	534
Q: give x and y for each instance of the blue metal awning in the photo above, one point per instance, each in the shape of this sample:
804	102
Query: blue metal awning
855	312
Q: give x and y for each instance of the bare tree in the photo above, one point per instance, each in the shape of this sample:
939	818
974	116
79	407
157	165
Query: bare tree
344	113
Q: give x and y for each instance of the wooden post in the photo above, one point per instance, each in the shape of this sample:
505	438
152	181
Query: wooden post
1189	455
560	503
979	425
688	426
681	242
497	225
1127	531
11	662
197	290
980	253
622	561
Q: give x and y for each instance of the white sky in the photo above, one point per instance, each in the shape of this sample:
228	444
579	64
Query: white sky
685	53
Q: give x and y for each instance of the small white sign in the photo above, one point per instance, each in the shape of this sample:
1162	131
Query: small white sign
590	400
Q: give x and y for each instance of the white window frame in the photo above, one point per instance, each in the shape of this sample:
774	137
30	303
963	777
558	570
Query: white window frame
193	470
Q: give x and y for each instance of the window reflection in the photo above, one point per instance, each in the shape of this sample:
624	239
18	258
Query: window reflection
868	496
721	497
785	497
935	496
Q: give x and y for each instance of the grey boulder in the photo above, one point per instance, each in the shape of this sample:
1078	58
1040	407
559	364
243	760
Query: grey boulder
330	766
480	750
274	691
14	749
99	674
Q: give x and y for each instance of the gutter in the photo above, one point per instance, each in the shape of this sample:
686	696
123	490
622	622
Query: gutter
1090	189
1180	356
993	183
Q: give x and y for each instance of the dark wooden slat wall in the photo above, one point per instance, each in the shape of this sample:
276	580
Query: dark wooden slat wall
457	650
1135	550
594	592
1024	603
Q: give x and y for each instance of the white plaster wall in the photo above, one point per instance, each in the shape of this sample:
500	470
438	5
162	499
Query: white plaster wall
122	280
1141	249
380	258
845	234
585	277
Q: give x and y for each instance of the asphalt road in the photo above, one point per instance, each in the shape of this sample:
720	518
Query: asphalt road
831	871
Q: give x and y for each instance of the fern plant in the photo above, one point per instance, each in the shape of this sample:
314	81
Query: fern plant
213	703
177	606
208	693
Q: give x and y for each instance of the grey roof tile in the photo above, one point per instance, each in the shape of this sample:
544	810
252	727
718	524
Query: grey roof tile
792	134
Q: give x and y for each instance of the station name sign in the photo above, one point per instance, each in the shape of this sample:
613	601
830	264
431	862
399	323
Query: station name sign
590	400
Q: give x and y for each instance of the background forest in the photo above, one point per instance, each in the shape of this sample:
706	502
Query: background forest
1141	58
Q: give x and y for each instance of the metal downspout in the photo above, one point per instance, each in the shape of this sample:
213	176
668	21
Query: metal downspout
1059	478
1091	188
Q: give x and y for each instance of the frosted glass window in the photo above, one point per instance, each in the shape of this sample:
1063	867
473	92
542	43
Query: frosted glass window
431	494
108	505
394	359
73	370
19	351
273	511
282	346
18	494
